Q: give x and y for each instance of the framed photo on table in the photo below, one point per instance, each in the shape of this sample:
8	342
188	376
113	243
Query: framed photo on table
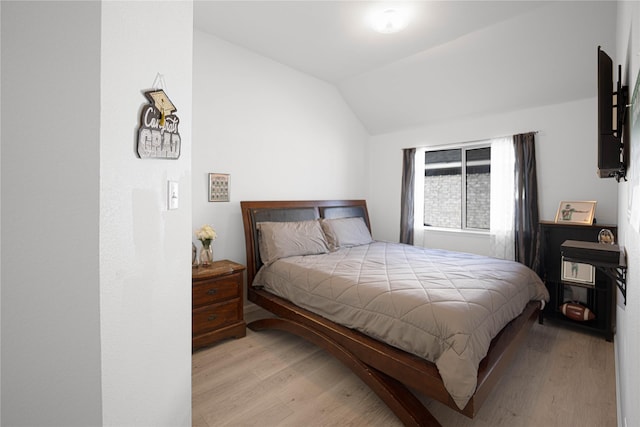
576	212
577	272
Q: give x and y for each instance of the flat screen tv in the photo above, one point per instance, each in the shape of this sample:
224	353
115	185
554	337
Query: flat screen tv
611	118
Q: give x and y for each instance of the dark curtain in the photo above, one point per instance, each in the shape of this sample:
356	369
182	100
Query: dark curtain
408	184
526	200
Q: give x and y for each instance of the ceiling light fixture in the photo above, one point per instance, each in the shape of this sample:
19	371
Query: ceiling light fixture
389	21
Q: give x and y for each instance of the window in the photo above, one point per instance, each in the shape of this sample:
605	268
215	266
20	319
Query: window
457	187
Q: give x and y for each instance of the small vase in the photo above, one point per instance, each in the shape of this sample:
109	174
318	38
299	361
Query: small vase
206	255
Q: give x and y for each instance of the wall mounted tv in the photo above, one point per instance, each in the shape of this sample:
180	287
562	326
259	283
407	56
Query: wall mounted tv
612	108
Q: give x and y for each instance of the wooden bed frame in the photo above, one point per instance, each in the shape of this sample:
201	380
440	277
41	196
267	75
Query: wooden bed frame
388	371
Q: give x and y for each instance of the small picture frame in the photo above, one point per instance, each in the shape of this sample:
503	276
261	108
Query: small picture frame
218	187
577	272
576	212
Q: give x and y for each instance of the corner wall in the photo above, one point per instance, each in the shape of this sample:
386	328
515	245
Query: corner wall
96	277
145	262
0	222
279	133
627	340
51	350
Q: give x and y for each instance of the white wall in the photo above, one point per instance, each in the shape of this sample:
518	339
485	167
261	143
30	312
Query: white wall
627	339
565	154
51	351
279	133
96	281
0	222
145	263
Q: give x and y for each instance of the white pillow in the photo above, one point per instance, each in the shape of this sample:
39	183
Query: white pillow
284	239
346	232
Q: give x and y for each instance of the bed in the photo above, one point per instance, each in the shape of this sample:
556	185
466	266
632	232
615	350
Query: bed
332	284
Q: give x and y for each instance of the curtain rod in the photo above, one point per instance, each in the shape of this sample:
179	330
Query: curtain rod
477	141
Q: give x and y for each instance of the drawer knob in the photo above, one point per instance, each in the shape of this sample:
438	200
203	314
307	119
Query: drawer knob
212	291
212	318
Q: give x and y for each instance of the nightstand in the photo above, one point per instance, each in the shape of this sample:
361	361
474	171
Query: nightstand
599	295
217	303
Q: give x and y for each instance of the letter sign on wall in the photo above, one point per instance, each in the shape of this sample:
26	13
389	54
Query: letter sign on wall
158	136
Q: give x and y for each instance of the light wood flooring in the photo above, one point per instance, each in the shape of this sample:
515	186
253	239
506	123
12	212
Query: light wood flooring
560	377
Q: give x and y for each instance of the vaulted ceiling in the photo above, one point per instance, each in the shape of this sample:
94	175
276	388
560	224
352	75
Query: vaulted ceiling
454	59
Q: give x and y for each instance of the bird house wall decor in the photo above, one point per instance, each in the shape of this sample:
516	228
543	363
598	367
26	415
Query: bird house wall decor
158	136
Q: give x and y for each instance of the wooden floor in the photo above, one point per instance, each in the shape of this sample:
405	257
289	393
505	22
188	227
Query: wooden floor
559	378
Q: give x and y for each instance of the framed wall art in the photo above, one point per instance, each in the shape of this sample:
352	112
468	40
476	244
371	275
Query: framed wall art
577	272
218	187
576	212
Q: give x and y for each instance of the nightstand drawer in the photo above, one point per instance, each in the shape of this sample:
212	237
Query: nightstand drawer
212	291
212	317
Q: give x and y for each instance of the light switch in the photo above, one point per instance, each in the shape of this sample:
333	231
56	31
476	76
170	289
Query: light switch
173	195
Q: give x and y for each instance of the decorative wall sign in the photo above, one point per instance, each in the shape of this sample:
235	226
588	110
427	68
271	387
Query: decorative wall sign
218	187
158	136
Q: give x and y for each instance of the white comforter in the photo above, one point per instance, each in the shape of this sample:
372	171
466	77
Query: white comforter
443	306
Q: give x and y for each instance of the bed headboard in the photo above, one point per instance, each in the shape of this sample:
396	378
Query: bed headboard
298	210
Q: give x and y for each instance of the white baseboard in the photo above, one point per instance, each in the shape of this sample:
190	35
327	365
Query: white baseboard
622	421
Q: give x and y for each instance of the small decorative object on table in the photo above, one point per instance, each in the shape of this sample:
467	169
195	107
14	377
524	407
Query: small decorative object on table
606	236
577	311
206	234
194	256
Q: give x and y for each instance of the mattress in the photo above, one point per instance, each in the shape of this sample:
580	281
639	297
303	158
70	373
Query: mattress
443	306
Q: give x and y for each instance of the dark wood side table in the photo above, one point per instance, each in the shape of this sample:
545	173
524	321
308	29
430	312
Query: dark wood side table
217	303
600	296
